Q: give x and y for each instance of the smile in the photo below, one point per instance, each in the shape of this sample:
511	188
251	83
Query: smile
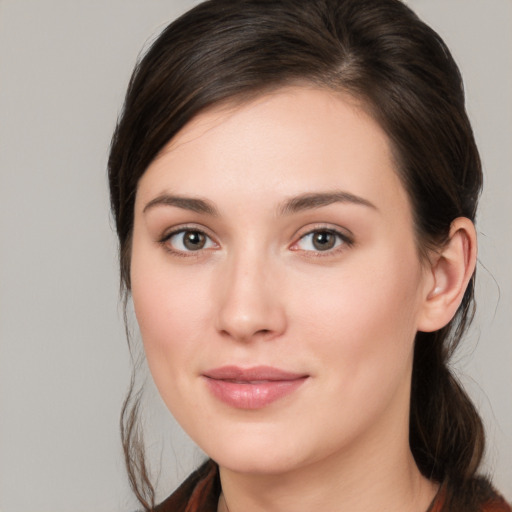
251	388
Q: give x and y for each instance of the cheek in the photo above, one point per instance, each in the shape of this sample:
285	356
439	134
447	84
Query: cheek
365	321
170	327
171	311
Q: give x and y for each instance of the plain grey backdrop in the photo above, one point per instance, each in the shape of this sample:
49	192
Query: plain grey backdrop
64	366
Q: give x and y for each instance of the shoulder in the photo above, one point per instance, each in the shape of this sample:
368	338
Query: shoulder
477	495
496	504
199	492
490	499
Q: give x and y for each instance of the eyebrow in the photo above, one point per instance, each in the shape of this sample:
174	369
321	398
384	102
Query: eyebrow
186	203
310	201
295	204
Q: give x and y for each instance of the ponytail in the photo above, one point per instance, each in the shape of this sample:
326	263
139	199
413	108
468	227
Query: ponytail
446	432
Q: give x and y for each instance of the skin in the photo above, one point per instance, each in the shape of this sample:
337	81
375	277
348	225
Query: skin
260	293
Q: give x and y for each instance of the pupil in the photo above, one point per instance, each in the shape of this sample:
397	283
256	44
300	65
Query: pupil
194	240
323	240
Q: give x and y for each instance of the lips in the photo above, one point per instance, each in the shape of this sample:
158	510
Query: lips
251	388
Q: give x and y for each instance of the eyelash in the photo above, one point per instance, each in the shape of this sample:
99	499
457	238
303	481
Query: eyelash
343	241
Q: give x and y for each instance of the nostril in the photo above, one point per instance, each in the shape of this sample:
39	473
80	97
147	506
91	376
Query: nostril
245	313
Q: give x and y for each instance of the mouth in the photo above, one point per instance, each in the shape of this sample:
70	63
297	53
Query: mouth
251	388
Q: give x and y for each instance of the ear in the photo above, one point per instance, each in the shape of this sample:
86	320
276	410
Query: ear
449	273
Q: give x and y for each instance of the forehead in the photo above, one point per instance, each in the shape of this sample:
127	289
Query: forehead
283	143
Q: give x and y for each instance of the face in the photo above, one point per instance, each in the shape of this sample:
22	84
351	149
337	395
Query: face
276	281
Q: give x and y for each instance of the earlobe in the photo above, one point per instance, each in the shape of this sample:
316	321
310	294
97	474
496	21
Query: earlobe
451	270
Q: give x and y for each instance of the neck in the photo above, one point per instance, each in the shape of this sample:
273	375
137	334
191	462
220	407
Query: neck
377	492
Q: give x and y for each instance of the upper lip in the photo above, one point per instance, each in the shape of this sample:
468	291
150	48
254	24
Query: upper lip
255	373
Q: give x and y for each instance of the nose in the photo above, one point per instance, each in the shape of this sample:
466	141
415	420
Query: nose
250	305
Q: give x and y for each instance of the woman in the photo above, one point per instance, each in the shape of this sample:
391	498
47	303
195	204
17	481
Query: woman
294	186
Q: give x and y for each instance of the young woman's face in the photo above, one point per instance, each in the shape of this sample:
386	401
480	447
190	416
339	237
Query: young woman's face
276	282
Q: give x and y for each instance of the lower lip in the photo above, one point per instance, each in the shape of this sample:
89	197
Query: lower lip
252	395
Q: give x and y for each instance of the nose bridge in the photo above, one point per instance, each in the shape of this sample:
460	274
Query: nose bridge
250	304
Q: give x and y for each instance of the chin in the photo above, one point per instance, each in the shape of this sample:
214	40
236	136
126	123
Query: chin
263	451
255	462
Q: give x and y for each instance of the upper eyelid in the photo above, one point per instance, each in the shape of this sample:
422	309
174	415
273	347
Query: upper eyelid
168	233
345	233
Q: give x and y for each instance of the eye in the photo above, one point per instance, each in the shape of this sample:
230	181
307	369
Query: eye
321	240
188	240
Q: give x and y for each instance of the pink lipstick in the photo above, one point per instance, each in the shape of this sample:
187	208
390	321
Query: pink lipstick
251	388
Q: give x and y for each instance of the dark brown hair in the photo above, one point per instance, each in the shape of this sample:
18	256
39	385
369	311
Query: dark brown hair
400	69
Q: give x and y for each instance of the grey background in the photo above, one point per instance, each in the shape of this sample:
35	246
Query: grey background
64	366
